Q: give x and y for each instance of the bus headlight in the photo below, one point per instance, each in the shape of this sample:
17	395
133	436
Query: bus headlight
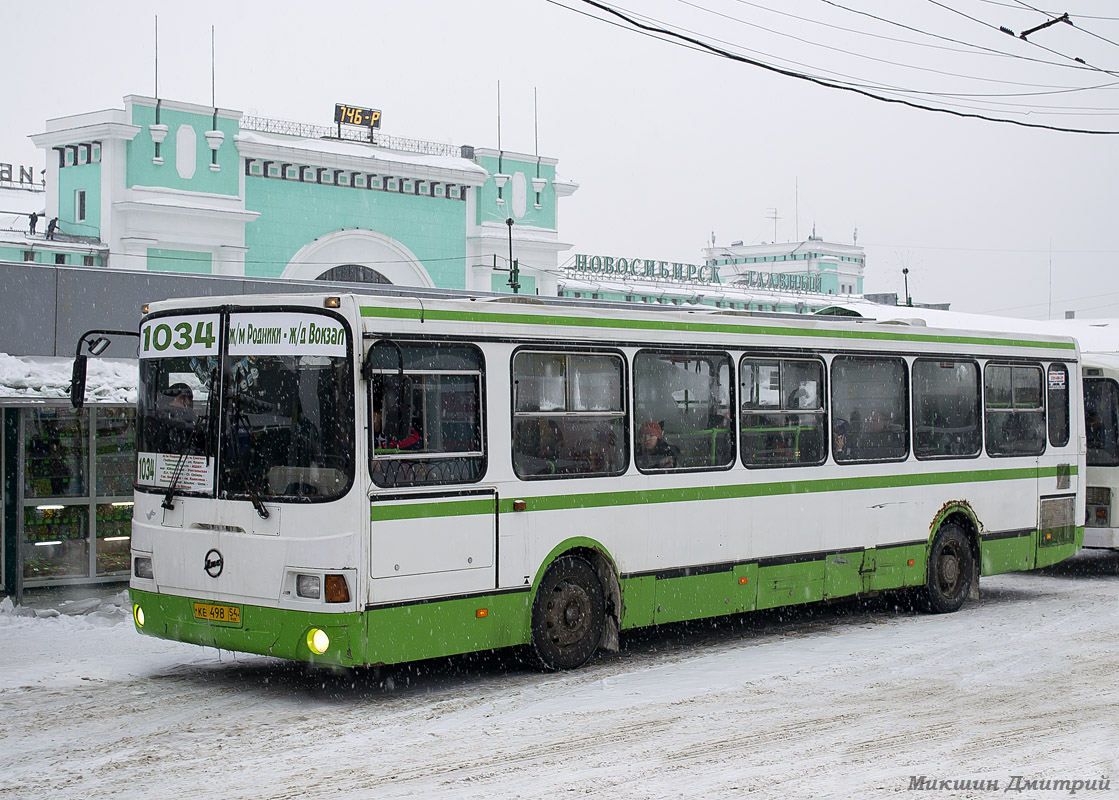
138	615
308	586
317	641
142	567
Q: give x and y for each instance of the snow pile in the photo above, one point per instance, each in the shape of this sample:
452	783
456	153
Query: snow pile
92	611
107	380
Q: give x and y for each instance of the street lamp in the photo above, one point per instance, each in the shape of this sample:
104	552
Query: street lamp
514	270
905	274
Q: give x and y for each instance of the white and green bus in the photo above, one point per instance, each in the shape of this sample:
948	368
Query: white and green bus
1101	425
367	480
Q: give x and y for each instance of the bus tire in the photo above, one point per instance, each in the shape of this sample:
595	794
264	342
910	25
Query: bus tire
568	614
950	572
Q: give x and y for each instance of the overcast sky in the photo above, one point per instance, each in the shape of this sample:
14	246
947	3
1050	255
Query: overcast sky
671	145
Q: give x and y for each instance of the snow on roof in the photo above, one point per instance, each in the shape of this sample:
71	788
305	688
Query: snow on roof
1093	335
108	380
361	150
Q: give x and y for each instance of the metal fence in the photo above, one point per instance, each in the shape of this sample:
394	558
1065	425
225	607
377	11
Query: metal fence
308	131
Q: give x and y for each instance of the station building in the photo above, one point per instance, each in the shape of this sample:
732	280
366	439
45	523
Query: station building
168	186
791	277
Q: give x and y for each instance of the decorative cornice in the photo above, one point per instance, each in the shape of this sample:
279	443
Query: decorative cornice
100	131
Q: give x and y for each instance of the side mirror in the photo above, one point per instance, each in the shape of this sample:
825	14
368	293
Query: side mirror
77	381
96	345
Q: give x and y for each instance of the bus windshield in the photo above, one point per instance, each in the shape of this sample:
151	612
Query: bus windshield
269	415
286	423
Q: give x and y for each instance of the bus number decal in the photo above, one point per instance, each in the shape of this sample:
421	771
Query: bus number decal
179	336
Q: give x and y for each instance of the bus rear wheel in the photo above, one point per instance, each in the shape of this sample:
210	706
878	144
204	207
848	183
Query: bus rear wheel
951	570
568	614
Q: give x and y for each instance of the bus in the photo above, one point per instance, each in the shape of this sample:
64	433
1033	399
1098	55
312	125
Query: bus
358	480
1101	425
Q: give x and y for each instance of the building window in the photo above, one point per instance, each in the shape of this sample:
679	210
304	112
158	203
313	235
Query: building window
88	261
28	255
59	258
79	205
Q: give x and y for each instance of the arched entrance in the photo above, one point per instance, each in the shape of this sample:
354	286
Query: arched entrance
353	273
361	253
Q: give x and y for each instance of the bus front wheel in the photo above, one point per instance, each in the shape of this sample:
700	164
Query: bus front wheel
951	569
568	614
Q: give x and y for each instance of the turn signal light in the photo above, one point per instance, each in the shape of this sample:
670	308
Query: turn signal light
910	562
482	613
743	581
336	589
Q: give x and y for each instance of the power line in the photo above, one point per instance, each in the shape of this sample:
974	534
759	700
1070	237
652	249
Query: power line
1028	41
826	83
1066	18
1059	89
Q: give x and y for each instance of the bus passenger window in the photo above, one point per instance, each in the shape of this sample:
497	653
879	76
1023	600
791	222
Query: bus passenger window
1014	414
945	408
870	395
443	441
783	418
1058	403
568	415
684	411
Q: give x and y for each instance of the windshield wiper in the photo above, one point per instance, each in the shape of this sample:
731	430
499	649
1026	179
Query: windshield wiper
169	498
240	420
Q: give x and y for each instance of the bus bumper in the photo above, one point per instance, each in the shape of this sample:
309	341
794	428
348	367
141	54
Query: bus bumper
284	633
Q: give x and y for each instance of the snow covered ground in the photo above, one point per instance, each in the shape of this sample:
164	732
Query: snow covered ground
842	701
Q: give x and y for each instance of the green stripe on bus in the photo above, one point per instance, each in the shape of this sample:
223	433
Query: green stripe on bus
700	493
421	510
698	326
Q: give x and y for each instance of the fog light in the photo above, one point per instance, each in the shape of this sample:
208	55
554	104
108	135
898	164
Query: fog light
317	641
138	615
142	567
308	586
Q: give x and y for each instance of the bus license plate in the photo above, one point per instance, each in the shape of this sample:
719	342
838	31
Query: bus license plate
213	612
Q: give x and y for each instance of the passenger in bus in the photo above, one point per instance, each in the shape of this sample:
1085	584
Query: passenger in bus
839	439
653	452
413	441
182	420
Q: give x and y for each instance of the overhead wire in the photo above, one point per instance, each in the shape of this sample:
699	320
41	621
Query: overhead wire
814	79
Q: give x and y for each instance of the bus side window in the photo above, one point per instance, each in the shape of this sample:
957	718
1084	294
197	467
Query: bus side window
1058	404
1014	412
684	410
443	440
569	415
783	418
946	408
871	395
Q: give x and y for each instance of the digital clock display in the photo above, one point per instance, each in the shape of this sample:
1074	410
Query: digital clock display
352	115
